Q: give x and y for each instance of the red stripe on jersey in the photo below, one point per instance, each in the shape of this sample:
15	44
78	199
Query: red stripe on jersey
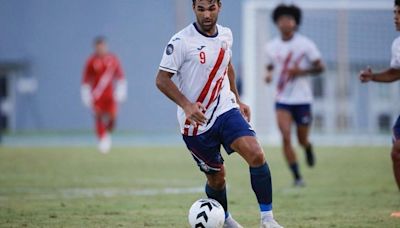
287	79
206	88
283	76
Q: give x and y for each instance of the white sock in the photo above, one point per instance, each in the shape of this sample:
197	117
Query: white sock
267	215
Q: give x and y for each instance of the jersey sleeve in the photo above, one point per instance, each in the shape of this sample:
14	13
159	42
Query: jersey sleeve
230	41
313	54
119	72
268	55
395	62
87	73
174	55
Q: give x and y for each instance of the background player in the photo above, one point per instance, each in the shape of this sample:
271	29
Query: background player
102	70
293	57
390	75
210	112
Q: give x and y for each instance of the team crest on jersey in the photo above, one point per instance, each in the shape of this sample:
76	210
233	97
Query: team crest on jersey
224	45
170	49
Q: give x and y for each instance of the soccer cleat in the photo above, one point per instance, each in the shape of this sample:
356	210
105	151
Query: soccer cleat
270	224
310	159
231	223
105	144
299	183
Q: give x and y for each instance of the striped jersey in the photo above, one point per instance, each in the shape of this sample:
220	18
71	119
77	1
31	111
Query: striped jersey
200	63
300	51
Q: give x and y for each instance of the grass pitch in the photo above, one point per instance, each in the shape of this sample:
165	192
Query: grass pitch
154	187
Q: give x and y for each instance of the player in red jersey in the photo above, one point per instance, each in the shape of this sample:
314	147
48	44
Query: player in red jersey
103	86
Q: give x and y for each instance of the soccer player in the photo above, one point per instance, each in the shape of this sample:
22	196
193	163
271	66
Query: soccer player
293	58
390	75
210	112
101	72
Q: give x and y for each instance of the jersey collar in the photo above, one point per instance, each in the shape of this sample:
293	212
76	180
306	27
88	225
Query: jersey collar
203	34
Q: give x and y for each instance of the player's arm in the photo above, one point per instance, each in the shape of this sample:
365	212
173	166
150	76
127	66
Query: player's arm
387	76
121	87
86	87
244	109
317	67
269	73
193	111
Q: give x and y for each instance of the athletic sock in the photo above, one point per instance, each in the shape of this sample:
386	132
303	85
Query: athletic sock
219	196
110	125
309	148
262	186
294	167
100	128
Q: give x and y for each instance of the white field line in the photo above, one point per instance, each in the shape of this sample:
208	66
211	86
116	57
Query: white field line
74	193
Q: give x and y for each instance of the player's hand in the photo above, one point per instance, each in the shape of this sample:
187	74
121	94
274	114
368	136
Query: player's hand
268	78
120	92
295	72
366	75
245	110
194	113
86	96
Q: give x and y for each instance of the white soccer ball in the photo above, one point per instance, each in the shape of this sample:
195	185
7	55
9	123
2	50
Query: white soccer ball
206	213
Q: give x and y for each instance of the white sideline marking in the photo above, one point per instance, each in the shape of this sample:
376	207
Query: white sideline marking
73	193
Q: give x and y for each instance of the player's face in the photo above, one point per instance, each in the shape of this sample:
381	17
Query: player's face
206	14
286	24
101	48
397	17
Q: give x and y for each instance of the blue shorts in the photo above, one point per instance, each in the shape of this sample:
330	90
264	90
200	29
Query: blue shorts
206	147
301	113
396	130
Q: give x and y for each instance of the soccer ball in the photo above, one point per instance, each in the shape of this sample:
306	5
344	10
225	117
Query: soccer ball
206	213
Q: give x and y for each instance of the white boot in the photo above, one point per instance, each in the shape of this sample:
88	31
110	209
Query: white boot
105	144
231	223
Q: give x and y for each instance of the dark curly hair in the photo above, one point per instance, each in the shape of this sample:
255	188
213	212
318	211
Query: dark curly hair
290	10
194	1
397	2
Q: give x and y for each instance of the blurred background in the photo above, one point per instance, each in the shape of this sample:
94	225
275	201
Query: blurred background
44	45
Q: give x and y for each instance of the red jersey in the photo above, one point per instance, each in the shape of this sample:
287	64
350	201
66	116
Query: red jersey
100	73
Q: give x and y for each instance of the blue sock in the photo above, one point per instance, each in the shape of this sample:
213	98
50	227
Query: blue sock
294	167
219	196
262	186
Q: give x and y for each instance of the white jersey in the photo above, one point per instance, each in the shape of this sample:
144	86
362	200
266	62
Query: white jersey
200	63
395	62
284	55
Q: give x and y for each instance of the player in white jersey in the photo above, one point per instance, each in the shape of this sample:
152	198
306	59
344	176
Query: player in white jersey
210	112
390	75
293	57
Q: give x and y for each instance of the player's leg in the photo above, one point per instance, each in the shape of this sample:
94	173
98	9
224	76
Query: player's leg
303	132
205	150
101	116
112	115
303	119
396	161
395	154
284	118
101	129
238	136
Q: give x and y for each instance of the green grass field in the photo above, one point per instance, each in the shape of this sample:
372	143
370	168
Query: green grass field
154	187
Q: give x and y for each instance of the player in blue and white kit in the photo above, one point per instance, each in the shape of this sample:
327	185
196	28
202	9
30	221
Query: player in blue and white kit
292	57
210	112
390	75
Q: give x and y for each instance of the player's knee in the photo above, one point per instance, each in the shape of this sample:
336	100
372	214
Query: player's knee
286	141
216	181
395	156
303	142
257	157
